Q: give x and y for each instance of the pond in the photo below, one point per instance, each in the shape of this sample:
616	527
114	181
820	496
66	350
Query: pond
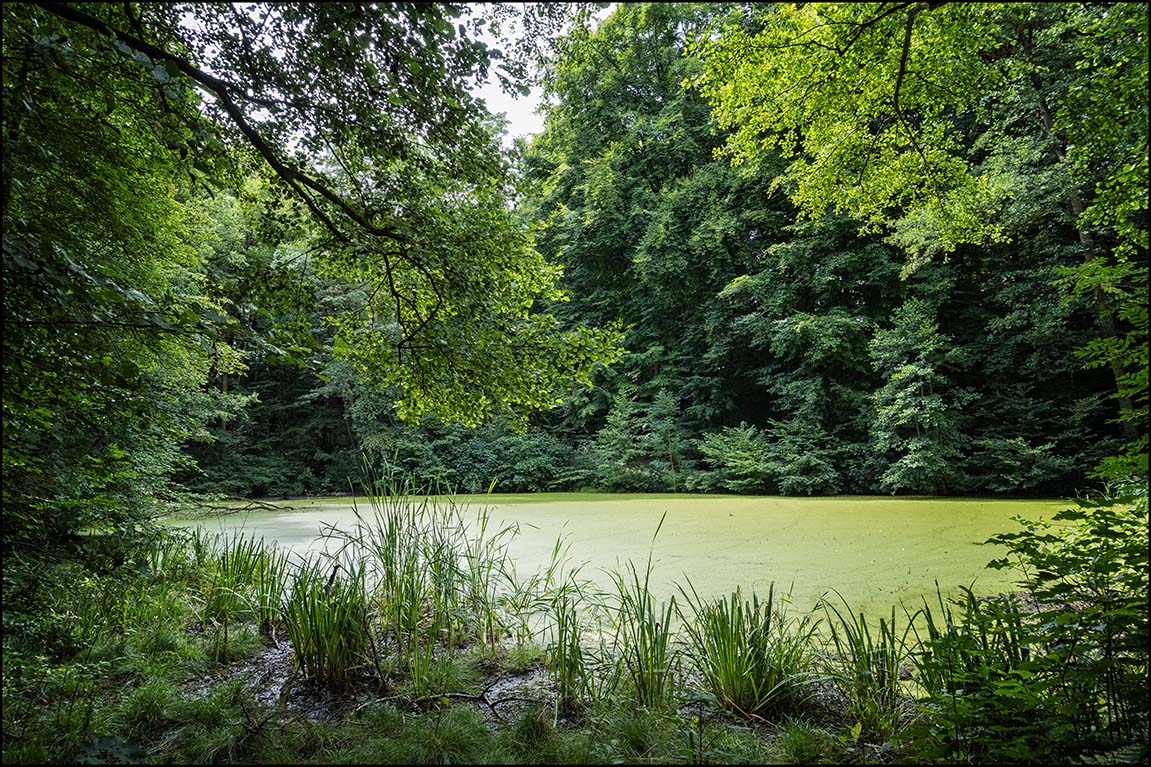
875	551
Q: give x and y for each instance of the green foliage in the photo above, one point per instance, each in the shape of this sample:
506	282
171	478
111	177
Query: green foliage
106	342
128	291
327	620
985	699
648	661
804	459
241	580
867	670
745	315
851	95
1064	679
1125	352
432	573
737	459
915	422
565	656
802	743
641	448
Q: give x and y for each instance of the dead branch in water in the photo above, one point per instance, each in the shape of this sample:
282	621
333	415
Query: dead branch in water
229	506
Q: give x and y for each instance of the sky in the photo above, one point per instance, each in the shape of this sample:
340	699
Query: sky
520	110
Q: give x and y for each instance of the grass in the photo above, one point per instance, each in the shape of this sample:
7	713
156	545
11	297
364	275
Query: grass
754	660
648	661
243	579
565	656
327	621
867	667
435	576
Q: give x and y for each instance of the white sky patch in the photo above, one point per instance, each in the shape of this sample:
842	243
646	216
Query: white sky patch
523	119
521	111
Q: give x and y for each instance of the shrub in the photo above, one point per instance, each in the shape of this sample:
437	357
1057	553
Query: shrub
737	459
1064	679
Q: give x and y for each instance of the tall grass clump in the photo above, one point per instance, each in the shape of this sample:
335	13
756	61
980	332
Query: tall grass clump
648	660
242	579
430	572
167	554
530	602
328	622
753	659
270	577
867	667
565	655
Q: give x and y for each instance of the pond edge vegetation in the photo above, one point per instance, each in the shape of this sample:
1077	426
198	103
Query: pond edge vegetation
428	646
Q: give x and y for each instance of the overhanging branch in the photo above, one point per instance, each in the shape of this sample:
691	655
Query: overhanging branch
224	93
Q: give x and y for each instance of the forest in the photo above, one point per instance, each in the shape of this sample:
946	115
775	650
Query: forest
280	251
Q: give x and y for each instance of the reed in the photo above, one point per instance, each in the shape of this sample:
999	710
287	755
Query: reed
231	567
647	658
565	656
435	573
327	620
867	667
753	659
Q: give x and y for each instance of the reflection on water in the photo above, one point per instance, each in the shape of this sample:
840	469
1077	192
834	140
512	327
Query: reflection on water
876	551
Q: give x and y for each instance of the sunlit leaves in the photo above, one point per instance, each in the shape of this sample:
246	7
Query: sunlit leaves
882	107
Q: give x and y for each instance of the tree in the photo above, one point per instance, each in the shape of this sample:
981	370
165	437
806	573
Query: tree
647	224
369	125
737	461
745	314
917	409
380	166
107	342
940	124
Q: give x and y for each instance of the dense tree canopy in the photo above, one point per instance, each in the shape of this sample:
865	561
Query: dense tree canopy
856	248
951	123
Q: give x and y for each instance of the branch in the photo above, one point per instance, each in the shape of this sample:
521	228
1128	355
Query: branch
861	28
224	91
903	58
481	698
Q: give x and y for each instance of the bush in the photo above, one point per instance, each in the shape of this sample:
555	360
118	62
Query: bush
737	460
1063	678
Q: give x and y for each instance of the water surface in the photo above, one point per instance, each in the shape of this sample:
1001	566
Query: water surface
876	551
